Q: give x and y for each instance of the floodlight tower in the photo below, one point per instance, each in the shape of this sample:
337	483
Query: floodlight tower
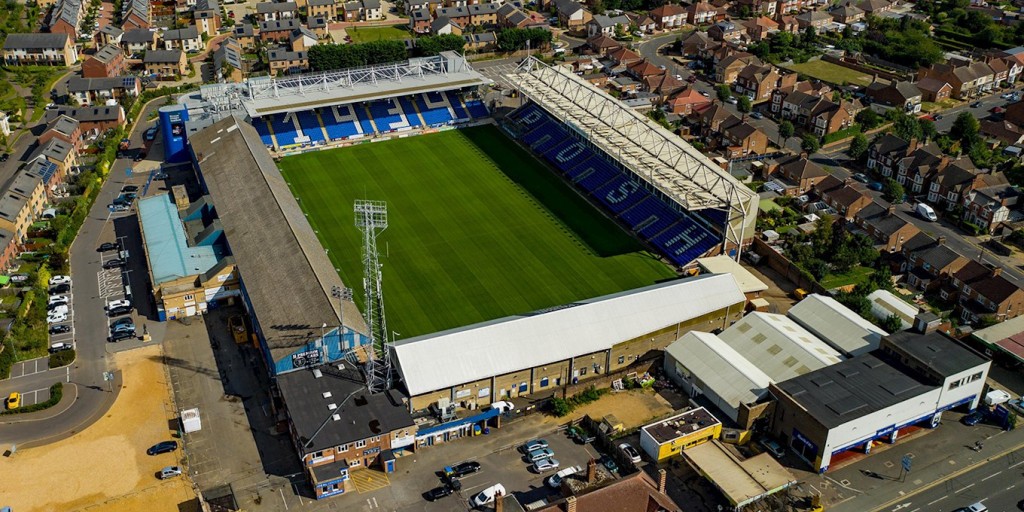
372	219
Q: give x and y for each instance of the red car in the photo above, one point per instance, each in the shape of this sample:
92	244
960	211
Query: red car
231	14
998	110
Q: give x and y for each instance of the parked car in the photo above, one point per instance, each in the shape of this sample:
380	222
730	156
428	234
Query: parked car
756	115
139	157
536	455
997	110
926	212
533	444
503	406
555	480
150	133
486	496
55	317
461	470
57	347
773	448
630	452
977	507
544	465
60	288
60	280
120	326
973	418
120	303
976	104
860	177
59	329
108	246
120	335
118	207
609	463
875	185
439	492
129	188
55	300
162	447
19	278
119	311
170	472
580	435
13	401
4	157
114	263
732	100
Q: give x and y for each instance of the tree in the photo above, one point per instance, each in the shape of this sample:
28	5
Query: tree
892	323
810	143
744	103
858	146
965	129
428	46
723	92
869	119
786	130
893	191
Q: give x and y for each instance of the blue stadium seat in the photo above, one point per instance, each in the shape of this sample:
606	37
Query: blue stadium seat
600	176
311	126
685	241
477	109
435	97
460	113
261	127
434	116
364	118
383	118
569	156
582	163
410	111
284	132
337	129
618	197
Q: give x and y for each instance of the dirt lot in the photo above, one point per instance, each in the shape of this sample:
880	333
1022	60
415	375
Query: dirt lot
633	408
106	467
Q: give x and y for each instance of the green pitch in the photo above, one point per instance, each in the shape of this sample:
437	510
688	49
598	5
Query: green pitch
479	229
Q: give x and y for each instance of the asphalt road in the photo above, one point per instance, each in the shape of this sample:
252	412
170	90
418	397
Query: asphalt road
997	484
90	328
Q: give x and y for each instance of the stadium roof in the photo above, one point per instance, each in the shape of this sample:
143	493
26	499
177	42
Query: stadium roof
453	357
742	481
778	346
722	264
721	369
655	154
170	256
268	95
838	325
284	269
844	392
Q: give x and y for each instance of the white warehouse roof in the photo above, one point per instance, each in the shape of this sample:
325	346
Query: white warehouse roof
457	356
722	264
779	346
721	369
884	304
837	325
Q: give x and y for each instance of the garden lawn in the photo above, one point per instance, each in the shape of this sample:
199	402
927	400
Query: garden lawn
831	73
478	229
387	33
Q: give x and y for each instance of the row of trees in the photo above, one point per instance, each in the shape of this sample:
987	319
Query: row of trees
955	21
513	39
830	250
325	57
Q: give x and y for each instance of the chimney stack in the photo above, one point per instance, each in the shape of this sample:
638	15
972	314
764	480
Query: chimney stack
662	479
570	504
996	270
499	502
591	471
941	240
891	209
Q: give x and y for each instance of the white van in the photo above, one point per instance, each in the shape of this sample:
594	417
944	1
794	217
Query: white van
926	212
996	397
555	480
487	495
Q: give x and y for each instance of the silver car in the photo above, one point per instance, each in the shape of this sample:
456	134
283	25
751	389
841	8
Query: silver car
170	472
542	453
543	465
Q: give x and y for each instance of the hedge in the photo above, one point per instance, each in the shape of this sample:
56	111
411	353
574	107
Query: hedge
847	132
56	391
62	358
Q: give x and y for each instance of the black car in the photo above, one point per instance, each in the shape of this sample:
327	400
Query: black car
114	263
460	470
4	157
60	288
439	492
120	323
139	157
108	246
129	188
162	447
60	329
118	311
120	335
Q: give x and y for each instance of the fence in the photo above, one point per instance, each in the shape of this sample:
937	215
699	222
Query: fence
781	264
851	64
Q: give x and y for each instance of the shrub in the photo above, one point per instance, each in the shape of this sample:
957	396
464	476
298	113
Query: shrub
62	358
560	407
56	392
6	359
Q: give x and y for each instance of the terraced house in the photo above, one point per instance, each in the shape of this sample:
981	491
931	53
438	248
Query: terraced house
39	48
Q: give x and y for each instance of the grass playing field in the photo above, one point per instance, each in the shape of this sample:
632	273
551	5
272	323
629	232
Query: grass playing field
479	229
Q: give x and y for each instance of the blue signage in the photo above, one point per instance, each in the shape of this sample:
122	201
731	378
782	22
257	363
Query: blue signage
885	431
906	461
800	438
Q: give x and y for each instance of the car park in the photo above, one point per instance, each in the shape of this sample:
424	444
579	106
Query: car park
108	246
460	470
13	401
533	444
162	447
114	263
486	496
60	288
439	492
60	329
773	448
630	452
55	280
536	455
170	472
544	465
58	347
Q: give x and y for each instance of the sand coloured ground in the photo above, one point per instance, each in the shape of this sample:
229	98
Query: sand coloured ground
633	408
105	467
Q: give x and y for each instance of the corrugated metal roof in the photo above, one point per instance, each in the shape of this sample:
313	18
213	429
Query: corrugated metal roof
837	325
170	256
749	283
780	347
720	368
453	357
885	304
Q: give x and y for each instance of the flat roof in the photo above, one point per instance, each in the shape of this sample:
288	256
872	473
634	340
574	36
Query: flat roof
941	353
780	347
885	304
276	251
849	390
466	354
721	369
742	481
310	401
836	324
684	424
170	256
749	283
1007	335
